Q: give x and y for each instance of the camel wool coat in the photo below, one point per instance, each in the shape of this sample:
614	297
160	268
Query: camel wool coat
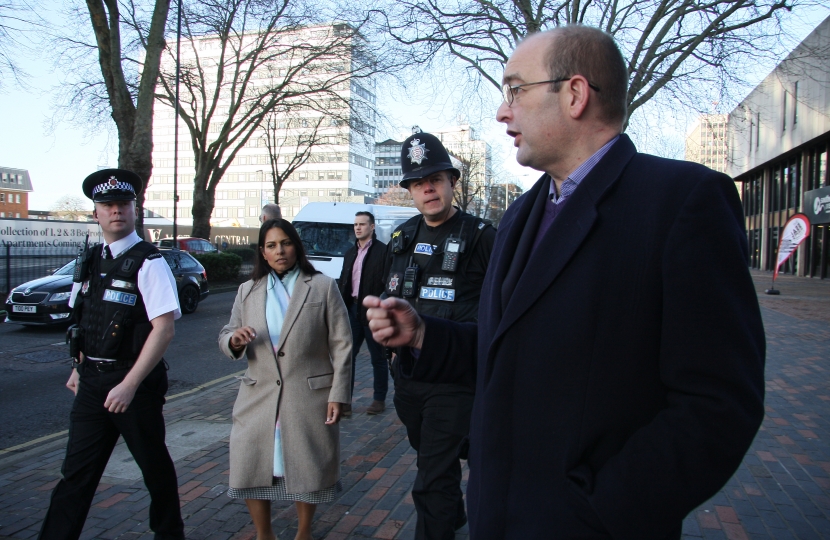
310	369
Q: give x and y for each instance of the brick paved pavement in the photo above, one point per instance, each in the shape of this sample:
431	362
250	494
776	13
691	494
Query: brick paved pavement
781	491
782	488
378	471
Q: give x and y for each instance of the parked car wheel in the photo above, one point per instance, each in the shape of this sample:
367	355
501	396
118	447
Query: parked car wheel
189	299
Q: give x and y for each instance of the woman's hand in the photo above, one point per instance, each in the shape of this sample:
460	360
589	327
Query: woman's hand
333	414
241	337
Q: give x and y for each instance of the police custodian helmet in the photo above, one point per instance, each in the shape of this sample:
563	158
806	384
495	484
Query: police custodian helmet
112	185
421	155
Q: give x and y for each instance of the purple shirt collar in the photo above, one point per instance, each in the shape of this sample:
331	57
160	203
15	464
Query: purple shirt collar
573	180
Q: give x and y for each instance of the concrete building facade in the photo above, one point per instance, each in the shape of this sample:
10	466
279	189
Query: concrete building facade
387	165
474	162
779	139
707	142
501	197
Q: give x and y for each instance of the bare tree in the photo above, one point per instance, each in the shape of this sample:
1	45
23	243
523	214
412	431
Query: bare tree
290	136
242	60
17	18
121	85
396	196
71	208
671	46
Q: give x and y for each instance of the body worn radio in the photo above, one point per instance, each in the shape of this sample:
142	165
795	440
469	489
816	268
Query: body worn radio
410	280
453	248
81	262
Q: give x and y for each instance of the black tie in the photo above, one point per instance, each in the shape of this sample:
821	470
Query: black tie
107	252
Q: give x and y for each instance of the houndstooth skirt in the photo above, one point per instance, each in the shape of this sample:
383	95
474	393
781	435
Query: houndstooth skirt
276	492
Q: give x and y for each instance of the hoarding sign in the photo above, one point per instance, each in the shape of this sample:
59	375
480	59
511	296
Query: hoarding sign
232	236
24	233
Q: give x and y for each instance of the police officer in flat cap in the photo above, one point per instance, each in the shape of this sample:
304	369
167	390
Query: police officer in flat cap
437	262
125	303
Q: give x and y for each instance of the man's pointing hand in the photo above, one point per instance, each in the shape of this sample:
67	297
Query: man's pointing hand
394	322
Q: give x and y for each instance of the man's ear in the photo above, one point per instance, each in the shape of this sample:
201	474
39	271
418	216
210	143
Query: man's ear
95	214
580	96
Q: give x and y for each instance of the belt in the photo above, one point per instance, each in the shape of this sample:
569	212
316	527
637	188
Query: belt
104	367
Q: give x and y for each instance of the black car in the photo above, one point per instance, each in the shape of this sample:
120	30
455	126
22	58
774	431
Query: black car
46	300
191	278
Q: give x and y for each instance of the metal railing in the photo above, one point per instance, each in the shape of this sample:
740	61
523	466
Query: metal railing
21	264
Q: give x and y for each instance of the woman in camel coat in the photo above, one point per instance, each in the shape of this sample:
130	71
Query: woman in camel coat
298	374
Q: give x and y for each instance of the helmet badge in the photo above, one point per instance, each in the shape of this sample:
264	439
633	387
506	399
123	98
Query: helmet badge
418	152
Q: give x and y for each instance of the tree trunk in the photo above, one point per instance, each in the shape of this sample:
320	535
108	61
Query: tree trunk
134	121
138	158
203	202
278	187
143	167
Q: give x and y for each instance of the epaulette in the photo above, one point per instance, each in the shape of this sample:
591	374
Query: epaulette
135	256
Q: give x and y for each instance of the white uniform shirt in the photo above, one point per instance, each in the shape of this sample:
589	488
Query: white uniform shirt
155	282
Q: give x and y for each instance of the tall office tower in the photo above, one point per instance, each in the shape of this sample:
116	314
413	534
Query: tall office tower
387	165
474	158
337	131
707	143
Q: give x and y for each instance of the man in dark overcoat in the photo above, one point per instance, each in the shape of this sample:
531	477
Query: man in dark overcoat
619	349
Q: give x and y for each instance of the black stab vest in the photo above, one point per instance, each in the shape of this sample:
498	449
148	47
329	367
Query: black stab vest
110	307
464	307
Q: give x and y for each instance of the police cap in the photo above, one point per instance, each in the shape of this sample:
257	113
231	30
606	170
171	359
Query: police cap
422	154
112	185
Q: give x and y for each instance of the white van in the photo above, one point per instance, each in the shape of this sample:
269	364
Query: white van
327	230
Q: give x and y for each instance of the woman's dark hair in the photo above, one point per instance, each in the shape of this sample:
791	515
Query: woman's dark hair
261	267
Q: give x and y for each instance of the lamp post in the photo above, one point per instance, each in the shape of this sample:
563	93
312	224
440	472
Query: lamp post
176	126
262	200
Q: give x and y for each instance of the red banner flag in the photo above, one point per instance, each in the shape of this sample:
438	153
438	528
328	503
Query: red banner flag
795	231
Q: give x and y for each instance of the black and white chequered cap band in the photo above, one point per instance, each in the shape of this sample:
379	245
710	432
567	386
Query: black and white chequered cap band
112	183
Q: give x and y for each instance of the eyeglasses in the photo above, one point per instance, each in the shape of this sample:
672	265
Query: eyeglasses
509	92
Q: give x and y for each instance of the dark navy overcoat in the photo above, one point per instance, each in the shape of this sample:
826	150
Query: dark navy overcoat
620	383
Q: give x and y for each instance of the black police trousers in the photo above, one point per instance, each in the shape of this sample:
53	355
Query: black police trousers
437	418
93	432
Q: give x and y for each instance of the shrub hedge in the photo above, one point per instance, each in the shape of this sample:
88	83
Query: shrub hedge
220	266
246	253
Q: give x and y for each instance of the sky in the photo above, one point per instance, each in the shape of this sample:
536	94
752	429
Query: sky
59	159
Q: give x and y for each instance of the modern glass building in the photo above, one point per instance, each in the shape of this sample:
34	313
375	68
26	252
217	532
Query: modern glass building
779	139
